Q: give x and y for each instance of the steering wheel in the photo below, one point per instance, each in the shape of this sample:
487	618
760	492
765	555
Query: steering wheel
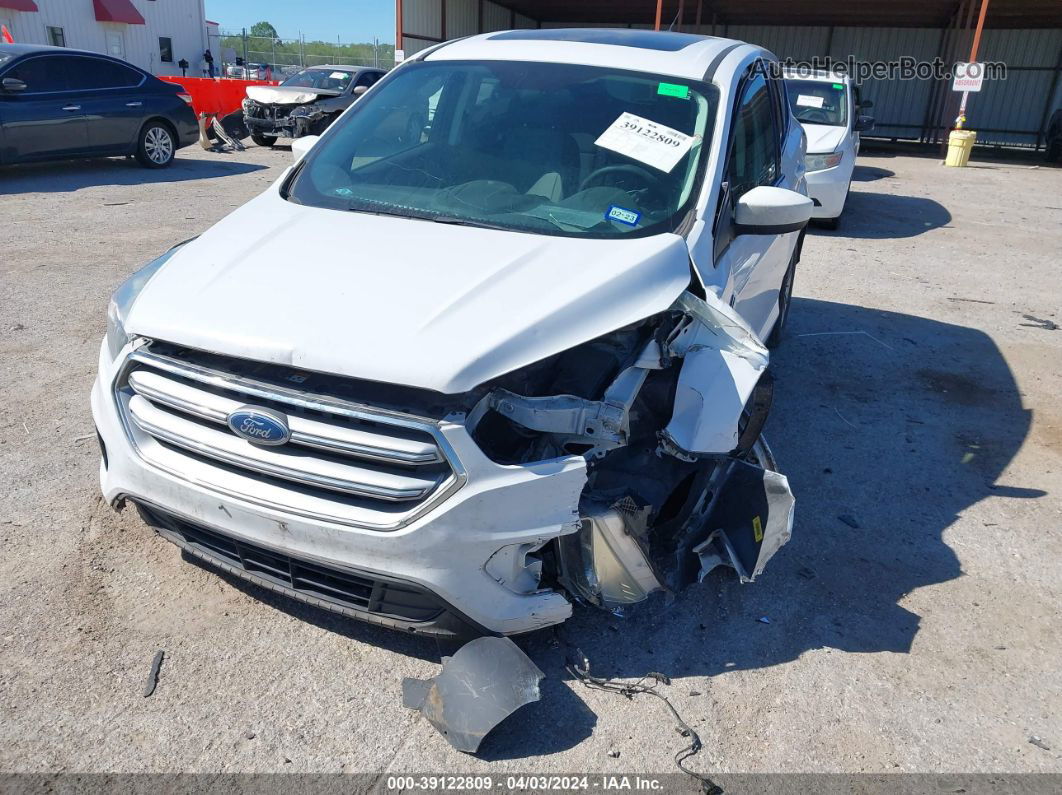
815	116
650	179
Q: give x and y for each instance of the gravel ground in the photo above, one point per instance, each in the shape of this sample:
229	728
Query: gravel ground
917	397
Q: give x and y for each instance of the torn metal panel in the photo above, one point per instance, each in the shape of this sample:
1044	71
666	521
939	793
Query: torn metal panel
749	523
517	567
604	562
604	424
480	686
723	362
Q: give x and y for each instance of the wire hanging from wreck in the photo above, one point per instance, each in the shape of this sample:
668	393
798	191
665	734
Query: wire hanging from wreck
579	667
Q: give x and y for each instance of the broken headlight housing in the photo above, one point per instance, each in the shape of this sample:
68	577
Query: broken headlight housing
122	302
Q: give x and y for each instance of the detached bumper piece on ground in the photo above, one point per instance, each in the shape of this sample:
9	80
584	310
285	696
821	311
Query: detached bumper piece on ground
485	682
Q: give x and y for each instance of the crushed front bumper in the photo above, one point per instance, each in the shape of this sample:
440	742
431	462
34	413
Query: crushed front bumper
450	557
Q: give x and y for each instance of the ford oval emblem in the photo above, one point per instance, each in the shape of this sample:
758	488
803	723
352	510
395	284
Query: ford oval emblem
261	426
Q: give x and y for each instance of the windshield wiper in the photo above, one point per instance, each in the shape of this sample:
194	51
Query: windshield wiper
447	219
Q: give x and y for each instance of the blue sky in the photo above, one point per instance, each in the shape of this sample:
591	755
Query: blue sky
351	20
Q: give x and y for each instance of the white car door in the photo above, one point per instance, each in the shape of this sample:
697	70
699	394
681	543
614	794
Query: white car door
756	264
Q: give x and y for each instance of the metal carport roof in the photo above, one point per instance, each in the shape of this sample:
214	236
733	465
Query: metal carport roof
857	13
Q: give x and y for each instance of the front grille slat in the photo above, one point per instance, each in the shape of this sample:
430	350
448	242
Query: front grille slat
216	408
344	461
287	465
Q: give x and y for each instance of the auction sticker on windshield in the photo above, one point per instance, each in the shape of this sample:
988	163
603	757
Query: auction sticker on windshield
808	101
646	141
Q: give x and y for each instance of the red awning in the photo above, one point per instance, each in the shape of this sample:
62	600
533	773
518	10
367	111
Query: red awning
116	11
19	5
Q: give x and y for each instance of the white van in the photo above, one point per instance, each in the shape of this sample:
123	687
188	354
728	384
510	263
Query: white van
455	371
827	106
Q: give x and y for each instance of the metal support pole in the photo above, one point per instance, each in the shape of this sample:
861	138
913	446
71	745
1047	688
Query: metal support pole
398	29
977	33
244	37
679	18
961	118
697	21
659	13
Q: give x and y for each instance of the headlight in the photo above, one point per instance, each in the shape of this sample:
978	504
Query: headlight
822	162
247	104
122	301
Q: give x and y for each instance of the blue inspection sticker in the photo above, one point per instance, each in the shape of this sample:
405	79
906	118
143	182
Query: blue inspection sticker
622	215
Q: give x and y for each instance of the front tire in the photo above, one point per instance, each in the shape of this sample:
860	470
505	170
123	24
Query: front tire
157	145
785	299
263	140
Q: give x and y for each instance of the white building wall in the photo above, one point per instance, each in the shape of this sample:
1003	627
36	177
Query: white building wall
183	21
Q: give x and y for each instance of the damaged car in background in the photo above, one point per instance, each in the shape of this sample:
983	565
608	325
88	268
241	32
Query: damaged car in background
305	103
540	377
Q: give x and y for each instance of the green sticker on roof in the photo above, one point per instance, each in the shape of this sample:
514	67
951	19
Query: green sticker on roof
839	86
673	90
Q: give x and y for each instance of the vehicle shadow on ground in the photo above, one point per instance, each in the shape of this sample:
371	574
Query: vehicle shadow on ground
73	175
896	423
877	216
871	174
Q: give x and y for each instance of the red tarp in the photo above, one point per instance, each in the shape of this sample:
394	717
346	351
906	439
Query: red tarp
215	96
19	5
117	11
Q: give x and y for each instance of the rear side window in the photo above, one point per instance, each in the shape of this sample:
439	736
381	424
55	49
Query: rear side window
41	75
88	74
754	139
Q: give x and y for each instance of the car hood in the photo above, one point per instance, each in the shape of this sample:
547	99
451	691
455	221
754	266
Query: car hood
400	301
824	138
285	95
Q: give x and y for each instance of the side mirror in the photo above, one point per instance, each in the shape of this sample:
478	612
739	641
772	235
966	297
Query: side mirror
300	146
359	90
771	211
863	124
13	84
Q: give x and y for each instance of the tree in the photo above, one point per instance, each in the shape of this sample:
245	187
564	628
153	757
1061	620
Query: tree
264	30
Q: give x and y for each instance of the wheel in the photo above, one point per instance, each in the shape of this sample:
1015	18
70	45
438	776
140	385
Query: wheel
785	299
157	145
263	140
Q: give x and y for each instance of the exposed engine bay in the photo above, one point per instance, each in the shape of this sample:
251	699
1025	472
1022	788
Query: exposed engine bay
668	414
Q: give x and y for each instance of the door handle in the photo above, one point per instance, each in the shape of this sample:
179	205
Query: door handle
133	104
71	107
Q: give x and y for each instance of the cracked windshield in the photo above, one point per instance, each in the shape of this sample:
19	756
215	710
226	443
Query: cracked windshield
548	148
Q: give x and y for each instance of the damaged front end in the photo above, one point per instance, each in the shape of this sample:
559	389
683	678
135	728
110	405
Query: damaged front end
667	413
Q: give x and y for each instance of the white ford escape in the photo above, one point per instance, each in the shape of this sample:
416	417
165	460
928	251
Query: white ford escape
491	347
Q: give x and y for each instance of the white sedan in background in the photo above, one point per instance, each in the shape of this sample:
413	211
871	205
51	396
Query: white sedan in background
827	106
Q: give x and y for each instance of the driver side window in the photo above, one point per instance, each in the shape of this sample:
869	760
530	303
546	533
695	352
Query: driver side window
754	139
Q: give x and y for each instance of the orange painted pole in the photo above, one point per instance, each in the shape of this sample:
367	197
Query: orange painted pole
659	12
398	26
977	32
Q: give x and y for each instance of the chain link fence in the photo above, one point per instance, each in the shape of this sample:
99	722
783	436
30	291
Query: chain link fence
242	55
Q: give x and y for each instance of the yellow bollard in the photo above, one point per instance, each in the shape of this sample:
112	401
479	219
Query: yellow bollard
960	144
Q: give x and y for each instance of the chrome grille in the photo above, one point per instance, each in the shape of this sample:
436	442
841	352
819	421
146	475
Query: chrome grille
344	462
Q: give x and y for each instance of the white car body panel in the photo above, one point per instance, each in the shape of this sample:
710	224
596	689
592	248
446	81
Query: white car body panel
447	308
462	305
283	95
